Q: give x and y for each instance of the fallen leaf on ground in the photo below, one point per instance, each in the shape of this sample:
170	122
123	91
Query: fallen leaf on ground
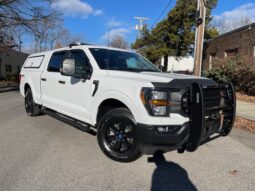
243	97
233	172
246	124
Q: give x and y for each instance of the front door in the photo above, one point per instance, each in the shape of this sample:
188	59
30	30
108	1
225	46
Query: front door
76	93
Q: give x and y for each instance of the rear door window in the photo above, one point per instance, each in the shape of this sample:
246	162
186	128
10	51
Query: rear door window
56	61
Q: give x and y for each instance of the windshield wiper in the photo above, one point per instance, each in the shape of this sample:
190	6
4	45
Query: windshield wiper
131	70
136	70
150	71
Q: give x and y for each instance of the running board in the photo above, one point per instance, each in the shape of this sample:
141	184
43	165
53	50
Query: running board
70	121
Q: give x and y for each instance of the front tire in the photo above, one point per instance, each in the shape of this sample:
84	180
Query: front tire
116	135
31	107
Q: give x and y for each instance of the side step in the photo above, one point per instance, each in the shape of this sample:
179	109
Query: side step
70	121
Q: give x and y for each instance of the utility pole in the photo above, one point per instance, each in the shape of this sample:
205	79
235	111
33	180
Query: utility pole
140	26
199	41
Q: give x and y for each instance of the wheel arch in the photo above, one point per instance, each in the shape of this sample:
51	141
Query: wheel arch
107	105
112	102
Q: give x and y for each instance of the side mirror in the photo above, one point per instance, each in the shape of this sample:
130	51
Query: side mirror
68	67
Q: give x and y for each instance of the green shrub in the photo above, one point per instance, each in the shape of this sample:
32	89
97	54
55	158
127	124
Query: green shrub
242	75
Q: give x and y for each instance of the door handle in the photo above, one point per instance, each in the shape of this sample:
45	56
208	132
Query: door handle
61	82
44	79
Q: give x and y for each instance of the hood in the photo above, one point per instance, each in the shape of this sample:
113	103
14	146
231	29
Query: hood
150	76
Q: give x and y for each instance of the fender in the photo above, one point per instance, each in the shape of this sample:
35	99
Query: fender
112	94
36	94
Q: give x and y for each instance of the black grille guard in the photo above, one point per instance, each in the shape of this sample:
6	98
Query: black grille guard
210	101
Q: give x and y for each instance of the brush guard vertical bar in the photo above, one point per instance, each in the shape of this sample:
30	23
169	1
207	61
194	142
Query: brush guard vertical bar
212	110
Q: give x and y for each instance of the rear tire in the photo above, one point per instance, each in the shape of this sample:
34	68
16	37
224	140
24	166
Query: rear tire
31	107
116	135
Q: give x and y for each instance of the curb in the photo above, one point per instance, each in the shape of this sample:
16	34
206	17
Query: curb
7	89
246	117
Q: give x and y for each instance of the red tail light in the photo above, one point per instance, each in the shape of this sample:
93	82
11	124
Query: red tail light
20	77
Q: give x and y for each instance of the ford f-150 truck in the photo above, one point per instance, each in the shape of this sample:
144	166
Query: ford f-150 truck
135	108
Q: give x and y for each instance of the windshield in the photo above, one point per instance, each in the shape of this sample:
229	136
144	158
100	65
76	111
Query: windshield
120	60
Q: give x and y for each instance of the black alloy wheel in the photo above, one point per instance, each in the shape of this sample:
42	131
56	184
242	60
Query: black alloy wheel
116	135
31	107
119	135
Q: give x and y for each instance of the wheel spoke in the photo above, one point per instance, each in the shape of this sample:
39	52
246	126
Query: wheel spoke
127	144
117	146
122	126
111	138
129	134
114	129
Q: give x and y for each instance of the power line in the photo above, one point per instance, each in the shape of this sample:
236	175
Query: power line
152	11
166	7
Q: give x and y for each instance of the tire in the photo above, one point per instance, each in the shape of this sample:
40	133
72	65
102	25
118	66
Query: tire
116	135
31	107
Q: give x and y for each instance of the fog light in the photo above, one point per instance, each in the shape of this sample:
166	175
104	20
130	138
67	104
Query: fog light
162	129
168	129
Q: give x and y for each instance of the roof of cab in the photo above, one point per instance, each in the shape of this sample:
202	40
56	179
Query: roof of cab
78	45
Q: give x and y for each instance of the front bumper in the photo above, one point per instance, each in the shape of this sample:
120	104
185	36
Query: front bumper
211	112
151	140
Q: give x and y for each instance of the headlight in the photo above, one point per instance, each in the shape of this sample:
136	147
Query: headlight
155	101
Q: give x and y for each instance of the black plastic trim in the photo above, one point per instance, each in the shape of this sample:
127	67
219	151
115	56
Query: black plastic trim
184	83
96	83
70	121
148	134
196	117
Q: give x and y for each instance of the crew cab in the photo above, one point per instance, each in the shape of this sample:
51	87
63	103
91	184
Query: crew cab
135	108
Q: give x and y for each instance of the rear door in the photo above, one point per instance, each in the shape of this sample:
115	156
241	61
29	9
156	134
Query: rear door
75	93
50	81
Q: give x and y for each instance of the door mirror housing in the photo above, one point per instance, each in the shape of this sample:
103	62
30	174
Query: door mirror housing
68	68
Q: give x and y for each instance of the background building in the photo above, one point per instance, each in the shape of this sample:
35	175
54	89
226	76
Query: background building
11	62
180	64
239	42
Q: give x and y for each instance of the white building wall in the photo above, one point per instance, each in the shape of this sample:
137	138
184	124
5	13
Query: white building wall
180	64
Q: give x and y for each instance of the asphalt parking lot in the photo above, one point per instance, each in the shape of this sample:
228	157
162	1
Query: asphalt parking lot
43	153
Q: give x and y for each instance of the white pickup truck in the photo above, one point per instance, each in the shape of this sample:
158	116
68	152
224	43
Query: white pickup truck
135	108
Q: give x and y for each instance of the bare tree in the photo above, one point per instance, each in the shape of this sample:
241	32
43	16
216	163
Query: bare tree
63	37
23	14
46	32
119	42
35	19
225	25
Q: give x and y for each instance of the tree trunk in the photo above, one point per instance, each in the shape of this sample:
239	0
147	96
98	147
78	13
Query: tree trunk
165	63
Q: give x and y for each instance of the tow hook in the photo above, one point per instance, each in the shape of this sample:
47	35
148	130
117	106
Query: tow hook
181	150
